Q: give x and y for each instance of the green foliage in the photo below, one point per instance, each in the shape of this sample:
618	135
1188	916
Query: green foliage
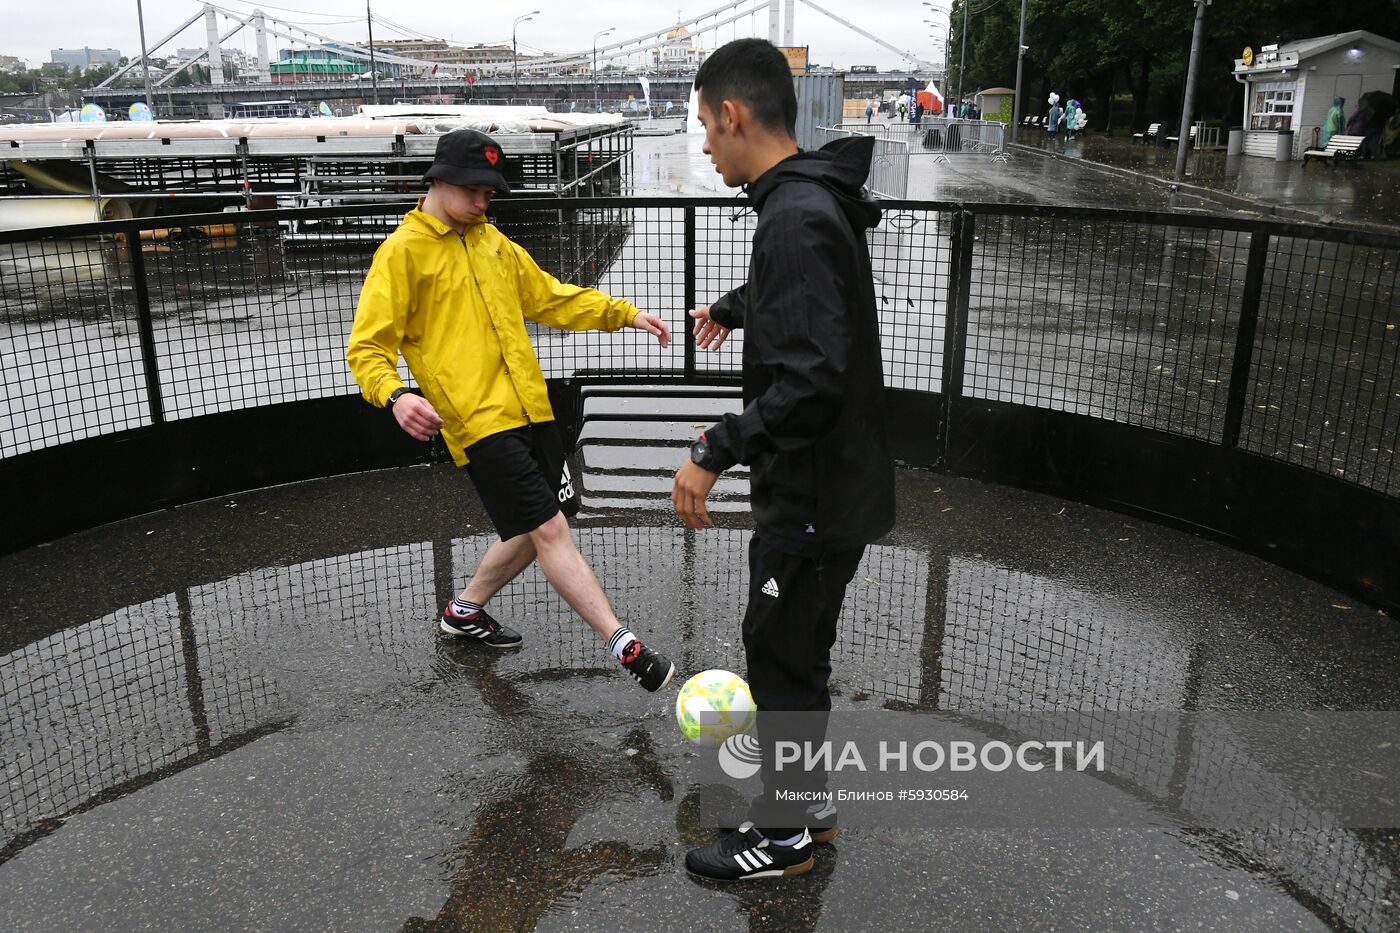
1095	49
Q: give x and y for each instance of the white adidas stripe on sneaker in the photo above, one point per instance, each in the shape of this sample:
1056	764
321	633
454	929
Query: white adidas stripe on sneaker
753	859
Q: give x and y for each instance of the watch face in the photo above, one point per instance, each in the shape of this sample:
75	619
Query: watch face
698	450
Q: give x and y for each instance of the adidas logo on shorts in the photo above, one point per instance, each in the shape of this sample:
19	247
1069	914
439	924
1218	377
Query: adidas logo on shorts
566	485
771	587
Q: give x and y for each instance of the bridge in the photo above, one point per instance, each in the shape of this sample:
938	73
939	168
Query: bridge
605	74
607	90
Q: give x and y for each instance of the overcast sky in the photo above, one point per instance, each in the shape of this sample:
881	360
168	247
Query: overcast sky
34	28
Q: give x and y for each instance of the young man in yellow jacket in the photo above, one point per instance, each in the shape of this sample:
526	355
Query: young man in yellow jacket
452	294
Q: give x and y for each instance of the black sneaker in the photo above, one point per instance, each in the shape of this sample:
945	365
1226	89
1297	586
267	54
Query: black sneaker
821	821
648	668
747	853
481	627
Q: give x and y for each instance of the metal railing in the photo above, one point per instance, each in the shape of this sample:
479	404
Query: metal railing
1207	137
889	165
636	107
1214	337
937	136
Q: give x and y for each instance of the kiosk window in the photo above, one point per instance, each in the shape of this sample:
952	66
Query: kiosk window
1273	106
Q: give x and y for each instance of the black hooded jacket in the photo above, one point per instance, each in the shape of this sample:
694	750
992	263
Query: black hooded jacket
813	427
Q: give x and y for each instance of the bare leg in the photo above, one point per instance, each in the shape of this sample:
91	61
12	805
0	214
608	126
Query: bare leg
570	575
502	563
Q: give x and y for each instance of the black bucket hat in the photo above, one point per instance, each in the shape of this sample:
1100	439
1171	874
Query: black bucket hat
467	157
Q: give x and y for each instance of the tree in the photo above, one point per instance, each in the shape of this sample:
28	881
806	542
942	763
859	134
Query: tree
90	78
1092	49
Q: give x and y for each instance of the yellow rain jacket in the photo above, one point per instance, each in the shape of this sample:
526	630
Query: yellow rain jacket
456	308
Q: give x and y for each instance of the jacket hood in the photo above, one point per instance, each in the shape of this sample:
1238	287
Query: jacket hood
841	167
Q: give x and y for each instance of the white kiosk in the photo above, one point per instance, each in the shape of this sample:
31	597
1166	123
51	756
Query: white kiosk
1291	86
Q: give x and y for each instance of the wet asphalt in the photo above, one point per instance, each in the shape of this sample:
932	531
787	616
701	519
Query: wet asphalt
1092	171
238	715
1365	192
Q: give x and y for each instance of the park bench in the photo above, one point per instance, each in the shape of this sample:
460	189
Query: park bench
1149	134
1339	149
1173	139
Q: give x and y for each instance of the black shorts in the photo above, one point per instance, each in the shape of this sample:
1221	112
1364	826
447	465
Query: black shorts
523	478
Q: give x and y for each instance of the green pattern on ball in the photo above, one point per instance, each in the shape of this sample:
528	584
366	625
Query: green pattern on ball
712	706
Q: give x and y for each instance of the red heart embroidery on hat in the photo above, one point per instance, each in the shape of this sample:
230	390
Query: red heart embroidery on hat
492	154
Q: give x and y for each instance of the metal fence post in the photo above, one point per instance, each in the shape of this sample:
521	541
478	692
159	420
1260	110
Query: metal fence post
956	317
144	325
688	298
1244	340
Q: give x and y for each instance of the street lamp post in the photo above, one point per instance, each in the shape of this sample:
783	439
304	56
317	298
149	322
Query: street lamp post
940	40
373	66
1020	59
1183	131
946	26
962	55
515	53
595	58
145	65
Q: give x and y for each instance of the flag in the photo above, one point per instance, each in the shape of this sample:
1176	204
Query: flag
646	90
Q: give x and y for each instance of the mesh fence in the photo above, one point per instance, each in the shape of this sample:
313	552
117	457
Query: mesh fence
252	319
722	249
911	257
1117	316
1324	388
1119	320
632	253
70	354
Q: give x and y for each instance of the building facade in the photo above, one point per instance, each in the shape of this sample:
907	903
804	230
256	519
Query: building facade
678	54
302	69
84	58
443	52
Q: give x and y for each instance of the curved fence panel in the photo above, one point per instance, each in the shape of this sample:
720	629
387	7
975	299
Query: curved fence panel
1233	376
70	355
1325	374
255	319
1124	320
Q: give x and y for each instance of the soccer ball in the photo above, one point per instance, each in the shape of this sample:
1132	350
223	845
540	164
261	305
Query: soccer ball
712	706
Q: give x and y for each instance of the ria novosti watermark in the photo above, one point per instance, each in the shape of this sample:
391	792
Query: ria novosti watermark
930	756
1075	770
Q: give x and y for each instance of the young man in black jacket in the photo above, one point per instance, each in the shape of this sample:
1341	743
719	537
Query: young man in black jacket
812	430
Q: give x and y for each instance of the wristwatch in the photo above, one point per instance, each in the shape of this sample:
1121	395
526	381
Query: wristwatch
700	452
394	396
